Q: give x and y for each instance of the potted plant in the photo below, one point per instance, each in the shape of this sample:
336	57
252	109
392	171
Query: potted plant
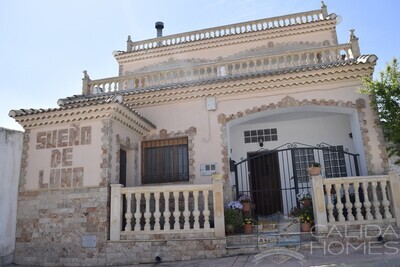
233	216
245	200
304	198
306	218
248	225
295	212
314	169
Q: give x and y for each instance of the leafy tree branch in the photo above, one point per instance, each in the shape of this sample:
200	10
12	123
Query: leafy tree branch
385	93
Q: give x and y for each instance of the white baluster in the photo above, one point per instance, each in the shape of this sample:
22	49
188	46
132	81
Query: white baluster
147	213
339	204
138	214
186	212
196	212
157	213
128	214
385	201
176	213
167	213
329	206
348	205
206	211
357	203
367	203
375	202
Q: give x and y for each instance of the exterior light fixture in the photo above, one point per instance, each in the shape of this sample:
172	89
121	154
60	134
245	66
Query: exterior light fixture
261	141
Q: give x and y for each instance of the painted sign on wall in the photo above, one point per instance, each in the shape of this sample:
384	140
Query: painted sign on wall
61	143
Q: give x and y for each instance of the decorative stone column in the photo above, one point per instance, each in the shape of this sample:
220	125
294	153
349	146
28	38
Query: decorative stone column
218	196
115	212
394	196
319	205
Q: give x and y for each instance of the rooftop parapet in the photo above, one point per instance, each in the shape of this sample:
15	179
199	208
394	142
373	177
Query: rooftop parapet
231	29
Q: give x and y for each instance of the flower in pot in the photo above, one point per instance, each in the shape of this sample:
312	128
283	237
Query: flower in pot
235	205
306	217
314	169
248	223
245	200
304	198
233	217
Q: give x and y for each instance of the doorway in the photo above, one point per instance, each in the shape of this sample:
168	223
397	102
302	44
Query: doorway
265	183
122	167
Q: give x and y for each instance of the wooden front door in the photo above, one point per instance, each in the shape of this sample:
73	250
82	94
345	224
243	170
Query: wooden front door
265	183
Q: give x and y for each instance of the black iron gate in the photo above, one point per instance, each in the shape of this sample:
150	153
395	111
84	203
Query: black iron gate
273	178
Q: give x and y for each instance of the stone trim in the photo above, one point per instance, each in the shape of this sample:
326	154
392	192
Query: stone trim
124	143
190	133
249	83
106	155
289	101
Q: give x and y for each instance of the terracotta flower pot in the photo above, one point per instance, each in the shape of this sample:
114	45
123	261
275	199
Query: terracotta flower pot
314	171
229	229
248	228
306	202
305	227
246	206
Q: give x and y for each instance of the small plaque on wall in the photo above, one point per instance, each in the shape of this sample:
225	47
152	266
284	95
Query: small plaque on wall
89	241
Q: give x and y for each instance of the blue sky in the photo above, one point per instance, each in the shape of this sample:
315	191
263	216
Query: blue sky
46	44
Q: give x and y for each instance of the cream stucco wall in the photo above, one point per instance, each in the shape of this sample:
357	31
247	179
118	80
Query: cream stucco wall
178	116
52	154
124	138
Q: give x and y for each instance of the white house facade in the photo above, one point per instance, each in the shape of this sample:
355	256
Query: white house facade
255	102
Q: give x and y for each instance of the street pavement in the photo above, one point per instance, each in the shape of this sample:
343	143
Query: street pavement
370	254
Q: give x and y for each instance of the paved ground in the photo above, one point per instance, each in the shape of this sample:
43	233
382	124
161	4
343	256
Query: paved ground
371	255
368	255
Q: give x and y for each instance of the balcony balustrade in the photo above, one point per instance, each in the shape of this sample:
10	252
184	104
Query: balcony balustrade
167	209
228	68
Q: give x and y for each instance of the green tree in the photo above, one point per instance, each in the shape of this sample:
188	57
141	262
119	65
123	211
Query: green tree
385	93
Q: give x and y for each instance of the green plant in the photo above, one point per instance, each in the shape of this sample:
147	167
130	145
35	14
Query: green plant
303	195
385	98
244	199
295	212
233	217
306	215
249	220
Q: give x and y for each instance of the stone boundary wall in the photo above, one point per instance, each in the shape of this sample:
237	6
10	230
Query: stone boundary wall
67	227
10	165
136	252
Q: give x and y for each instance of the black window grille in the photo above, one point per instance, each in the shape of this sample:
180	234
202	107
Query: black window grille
165	160
303	158
267	135
335	162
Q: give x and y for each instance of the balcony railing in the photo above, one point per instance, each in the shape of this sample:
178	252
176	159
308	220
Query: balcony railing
270	62
232	29
167	209
356	200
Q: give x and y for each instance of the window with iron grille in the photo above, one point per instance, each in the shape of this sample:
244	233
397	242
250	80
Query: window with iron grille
165	160
334	162
253	136
303	158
